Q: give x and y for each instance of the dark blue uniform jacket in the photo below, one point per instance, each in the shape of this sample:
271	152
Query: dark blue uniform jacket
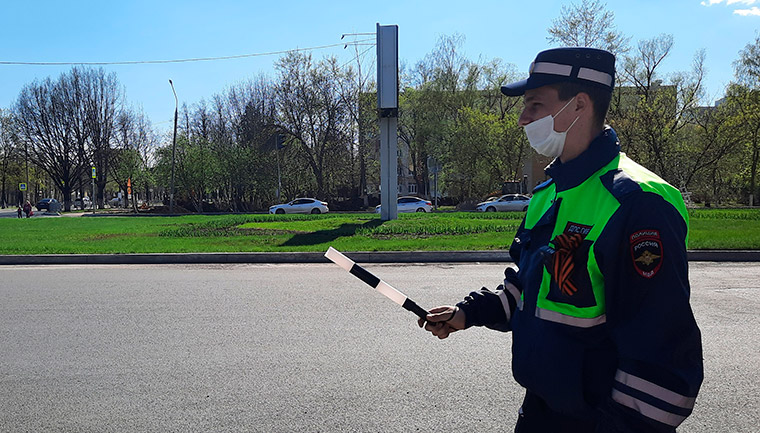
641	369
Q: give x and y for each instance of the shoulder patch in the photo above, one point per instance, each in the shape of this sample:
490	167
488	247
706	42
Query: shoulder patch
646	252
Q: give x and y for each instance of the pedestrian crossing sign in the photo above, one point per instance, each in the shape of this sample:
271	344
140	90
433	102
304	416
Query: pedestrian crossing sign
22	186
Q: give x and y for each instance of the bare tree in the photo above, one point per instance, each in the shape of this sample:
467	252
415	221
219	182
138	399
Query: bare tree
135	142
355	92
313	113
588	24
68	124
102	103
650	114
41	114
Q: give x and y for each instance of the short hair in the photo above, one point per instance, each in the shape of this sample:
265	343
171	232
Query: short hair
599	97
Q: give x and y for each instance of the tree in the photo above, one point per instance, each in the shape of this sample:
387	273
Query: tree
650	115
710	152
252	112
490	149
312	112
102	105
452	109
747	67
10	159
746	96
43	119
357	92
67	124
135	142
437	88
587	24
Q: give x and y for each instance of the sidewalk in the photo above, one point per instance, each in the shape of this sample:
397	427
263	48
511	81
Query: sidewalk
318	257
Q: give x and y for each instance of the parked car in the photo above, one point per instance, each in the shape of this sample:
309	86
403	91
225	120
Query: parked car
45	203
410	204
82	203
505	203
301	205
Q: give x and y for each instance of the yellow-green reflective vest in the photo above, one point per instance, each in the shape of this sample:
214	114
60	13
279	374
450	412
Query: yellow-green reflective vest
587	208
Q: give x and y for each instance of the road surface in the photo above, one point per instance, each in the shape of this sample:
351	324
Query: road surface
283	348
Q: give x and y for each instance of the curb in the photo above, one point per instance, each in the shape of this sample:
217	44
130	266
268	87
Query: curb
318	257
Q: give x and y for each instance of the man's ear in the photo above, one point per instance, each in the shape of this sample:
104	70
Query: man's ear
583	104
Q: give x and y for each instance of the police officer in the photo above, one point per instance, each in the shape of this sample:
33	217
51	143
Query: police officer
603	336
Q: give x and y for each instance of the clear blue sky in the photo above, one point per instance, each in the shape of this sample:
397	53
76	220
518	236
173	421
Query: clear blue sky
98	31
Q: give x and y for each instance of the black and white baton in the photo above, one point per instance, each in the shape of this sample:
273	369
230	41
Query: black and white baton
386	289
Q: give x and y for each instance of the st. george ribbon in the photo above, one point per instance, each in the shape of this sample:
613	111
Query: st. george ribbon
386	289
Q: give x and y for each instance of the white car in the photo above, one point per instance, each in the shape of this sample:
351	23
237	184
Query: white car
301	205
411	204
505	203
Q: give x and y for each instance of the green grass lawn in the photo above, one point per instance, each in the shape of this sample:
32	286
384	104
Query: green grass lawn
710	229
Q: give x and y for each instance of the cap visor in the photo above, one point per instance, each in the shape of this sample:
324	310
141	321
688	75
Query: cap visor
515	89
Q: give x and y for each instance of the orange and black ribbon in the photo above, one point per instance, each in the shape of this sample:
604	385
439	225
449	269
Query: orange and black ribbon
563	264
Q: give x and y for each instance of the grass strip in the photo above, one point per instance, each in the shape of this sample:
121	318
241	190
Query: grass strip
447	231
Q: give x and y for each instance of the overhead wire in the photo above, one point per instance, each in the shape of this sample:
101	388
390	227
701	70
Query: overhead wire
358	56
198	59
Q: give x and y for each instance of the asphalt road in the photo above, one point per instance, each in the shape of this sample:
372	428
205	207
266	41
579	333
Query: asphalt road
283	348
11	212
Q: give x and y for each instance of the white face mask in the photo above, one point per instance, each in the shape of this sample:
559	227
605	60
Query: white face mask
544	138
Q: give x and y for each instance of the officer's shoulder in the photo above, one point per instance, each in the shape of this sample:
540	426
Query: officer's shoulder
641	191
620	183
543	186
629	178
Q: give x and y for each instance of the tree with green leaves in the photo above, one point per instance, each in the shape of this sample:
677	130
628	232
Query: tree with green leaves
490	149
452	109
135	143
745	94
11	161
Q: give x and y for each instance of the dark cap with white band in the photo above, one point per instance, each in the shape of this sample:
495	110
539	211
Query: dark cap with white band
581	65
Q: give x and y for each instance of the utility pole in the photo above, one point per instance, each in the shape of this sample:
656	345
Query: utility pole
93	191
278	140
26	162
387	106
174	148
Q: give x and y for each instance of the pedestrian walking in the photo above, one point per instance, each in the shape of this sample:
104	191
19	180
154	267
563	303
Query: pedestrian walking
28	209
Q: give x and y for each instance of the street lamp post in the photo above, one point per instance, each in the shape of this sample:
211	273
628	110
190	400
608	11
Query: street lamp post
174	148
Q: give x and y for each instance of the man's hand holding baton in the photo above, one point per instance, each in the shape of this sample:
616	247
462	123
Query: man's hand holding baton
441	321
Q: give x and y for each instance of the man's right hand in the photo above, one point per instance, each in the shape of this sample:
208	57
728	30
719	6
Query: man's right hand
442	321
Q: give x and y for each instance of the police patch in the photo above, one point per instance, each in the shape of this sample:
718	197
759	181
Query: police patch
646	252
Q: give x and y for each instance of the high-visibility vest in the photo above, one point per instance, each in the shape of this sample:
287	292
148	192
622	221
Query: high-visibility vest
585	210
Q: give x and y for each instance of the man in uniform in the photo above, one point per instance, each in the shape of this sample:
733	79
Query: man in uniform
604	338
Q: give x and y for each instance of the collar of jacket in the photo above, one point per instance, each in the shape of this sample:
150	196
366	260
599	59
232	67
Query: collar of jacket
603	149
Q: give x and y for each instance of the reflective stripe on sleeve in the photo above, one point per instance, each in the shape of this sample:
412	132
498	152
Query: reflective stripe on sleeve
596	76
504	304
552	68
579	322
656	391
516	295
647	410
